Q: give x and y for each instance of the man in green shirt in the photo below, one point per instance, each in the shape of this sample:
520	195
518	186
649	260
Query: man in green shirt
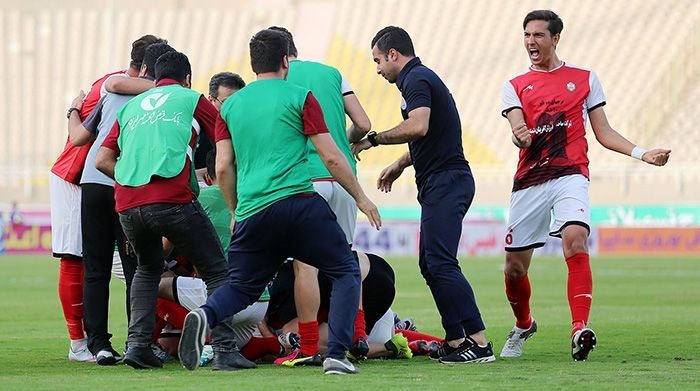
337	99
264	128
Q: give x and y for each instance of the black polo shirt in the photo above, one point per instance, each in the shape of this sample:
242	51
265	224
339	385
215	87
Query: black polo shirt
441	148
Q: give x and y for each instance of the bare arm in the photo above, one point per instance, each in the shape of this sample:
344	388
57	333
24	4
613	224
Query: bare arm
127	85
393	172
226	173
77	134
520	133
360	121
412	128
338	165
105	161
614	141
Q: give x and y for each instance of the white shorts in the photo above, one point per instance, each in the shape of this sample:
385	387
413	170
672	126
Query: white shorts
342	204
191	293
383	330
545	209
66	238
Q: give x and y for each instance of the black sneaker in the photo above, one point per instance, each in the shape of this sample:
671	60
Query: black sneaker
582	342
231	361
443	350
469	352
108	356
359	350
194	333
142	358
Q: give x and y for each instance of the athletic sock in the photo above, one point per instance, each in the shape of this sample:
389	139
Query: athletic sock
579	289
70	292
308	333
360	325
257	348
416	336
518	294
171	312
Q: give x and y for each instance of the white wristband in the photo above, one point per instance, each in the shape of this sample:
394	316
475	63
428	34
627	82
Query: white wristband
638	152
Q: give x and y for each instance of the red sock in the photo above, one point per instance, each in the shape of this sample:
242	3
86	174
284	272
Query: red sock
171	312
579	289
360	325
70	292
158	329
518	294
259	347
415	336
308	333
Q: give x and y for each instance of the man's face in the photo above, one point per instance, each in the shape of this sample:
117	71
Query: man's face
539	42
222	94
386	64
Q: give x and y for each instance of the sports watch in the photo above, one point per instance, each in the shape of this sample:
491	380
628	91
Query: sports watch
372	137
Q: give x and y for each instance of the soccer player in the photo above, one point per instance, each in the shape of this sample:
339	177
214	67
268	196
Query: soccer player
155	191
432	129
337	99
66	238
264	128
547	107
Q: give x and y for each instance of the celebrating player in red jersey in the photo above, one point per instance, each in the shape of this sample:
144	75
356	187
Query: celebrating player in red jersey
547	107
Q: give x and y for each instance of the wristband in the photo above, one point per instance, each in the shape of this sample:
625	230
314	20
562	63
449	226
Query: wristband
71	110
638	152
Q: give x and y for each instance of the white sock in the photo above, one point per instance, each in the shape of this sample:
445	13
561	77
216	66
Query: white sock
78	344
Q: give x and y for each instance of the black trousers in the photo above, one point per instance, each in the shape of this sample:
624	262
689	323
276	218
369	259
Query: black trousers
444	198
100	230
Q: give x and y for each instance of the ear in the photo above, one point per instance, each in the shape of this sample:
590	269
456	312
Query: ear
285	62
188	81
393	54
555	39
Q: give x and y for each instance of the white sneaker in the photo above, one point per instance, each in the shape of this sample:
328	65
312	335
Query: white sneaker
79	352
334	366
516	339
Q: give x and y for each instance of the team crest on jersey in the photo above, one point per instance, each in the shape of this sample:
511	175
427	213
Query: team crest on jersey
570	86
154	101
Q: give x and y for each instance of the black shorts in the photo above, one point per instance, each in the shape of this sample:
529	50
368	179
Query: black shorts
378	292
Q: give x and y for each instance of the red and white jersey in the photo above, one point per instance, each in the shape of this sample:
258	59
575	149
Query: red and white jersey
70	163
556	104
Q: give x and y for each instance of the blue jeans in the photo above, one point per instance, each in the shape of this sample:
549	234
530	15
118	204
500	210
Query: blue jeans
192	233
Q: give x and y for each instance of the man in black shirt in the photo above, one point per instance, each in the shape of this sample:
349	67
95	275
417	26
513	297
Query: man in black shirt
433	131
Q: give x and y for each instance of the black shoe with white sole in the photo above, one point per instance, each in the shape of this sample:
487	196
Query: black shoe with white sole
470	353
142	357
582	342
192	339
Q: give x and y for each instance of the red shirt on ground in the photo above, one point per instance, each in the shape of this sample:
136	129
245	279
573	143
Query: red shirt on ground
556	106
175	190
70	163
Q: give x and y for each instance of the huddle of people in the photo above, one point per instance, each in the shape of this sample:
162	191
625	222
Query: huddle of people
234	215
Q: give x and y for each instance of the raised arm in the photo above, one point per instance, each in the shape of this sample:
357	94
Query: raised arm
614	141
77	133
123	84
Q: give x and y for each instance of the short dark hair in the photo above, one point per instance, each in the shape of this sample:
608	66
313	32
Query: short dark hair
292	46
153	52
555	23
392	37
226	79
173	65
267	50
211	163
138	48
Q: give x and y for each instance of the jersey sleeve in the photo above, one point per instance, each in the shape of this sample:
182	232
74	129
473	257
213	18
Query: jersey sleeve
93	120
345	88
312	116
596	97
417	94
221	129
511	100
112	137
205	114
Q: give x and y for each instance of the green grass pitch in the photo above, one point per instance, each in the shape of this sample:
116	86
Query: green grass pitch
646	312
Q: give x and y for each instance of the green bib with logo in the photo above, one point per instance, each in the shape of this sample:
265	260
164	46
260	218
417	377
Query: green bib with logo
154	137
